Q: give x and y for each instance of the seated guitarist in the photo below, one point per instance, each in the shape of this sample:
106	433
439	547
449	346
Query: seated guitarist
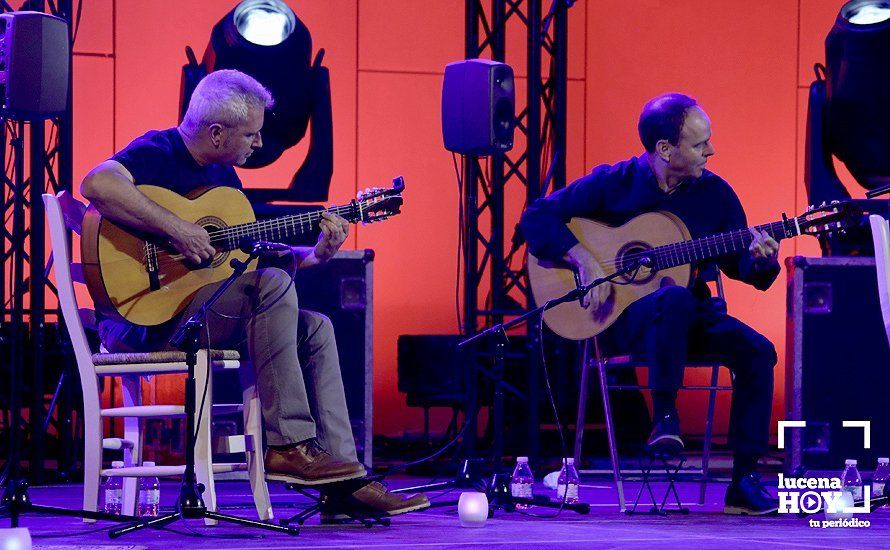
292	350
674	322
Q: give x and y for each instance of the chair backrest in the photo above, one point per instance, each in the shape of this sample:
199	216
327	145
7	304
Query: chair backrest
64	212
880	233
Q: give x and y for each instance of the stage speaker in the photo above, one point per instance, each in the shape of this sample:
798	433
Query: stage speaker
34	65
431	370
837	366
478	105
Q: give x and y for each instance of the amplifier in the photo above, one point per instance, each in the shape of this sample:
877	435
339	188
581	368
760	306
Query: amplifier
837	364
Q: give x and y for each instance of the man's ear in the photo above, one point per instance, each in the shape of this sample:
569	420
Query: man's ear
663	149
215	132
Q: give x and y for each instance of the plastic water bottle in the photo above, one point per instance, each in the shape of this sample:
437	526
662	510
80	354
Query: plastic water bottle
567	485
879	481
149	494
851	480
522	481
114	491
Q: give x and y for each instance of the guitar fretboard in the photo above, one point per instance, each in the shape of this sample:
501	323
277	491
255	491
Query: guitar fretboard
283	228
695	250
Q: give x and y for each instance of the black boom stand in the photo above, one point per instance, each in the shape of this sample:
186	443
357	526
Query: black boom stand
191	506
498	490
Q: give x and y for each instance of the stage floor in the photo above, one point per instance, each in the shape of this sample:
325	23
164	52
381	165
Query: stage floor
604	527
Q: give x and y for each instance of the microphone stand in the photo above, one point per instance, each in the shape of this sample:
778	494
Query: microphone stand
191	505
498	490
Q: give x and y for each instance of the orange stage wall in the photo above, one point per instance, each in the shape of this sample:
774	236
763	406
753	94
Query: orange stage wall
748	64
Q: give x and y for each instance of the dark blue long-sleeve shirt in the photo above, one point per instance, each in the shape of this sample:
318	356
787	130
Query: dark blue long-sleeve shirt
613	194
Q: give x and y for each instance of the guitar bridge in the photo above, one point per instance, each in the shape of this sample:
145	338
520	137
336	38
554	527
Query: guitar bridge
151	266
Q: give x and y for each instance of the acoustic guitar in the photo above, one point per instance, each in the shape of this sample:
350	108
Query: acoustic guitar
145	281
662	241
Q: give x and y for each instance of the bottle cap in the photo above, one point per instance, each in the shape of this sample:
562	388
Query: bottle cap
850	462
568	461
117	464
883	460
522	459
148	463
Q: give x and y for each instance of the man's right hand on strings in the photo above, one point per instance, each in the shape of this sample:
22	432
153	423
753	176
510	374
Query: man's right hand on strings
192	241
588	271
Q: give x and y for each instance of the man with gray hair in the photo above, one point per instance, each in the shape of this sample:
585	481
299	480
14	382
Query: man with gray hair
293	351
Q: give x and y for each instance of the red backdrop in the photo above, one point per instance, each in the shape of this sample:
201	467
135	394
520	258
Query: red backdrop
748	64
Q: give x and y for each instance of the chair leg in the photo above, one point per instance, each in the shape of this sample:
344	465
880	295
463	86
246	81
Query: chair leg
254	454
92	461
203	449
610	426
582	404
131	387
709	430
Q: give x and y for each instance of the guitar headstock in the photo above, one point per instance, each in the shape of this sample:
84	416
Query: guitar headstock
379	203
829	218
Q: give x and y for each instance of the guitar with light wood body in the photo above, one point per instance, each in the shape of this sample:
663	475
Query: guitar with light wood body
661	240
145	281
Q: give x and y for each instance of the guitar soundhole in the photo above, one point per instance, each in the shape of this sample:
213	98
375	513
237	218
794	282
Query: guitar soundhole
627	256
211	224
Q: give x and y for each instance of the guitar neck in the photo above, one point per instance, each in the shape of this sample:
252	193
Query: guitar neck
283	228
713	246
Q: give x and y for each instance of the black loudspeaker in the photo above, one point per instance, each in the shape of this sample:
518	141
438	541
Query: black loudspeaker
34	65
478	105
432	370
838	364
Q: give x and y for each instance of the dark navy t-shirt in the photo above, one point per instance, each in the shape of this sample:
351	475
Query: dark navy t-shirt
160	157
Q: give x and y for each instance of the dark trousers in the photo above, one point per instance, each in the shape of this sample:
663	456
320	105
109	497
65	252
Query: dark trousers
671	326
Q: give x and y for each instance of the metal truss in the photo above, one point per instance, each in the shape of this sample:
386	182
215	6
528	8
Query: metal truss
494	275
47	147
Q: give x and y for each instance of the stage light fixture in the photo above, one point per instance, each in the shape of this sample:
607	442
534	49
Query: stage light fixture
858	85
265	39
264	22
849	116
868	13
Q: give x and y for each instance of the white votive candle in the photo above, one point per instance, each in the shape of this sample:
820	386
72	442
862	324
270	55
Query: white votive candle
472	508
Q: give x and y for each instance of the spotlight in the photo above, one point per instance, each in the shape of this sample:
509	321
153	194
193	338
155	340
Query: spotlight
265	39
868	13
264	22
858	85
849	116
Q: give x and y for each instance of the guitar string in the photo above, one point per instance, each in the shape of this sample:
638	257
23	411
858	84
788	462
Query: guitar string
684	251
233	234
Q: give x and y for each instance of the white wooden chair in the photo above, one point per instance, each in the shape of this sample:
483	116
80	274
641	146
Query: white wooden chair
64	212
880	232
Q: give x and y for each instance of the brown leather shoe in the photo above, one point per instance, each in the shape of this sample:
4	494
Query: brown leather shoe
308	464
376	498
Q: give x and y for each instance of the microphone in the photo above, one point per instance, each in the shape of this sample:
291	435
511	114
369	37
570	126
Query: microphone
261	247
646	261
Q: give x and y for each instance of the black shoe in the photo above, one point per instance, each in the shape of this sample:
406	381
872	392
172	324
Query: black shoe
665	436
748	497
